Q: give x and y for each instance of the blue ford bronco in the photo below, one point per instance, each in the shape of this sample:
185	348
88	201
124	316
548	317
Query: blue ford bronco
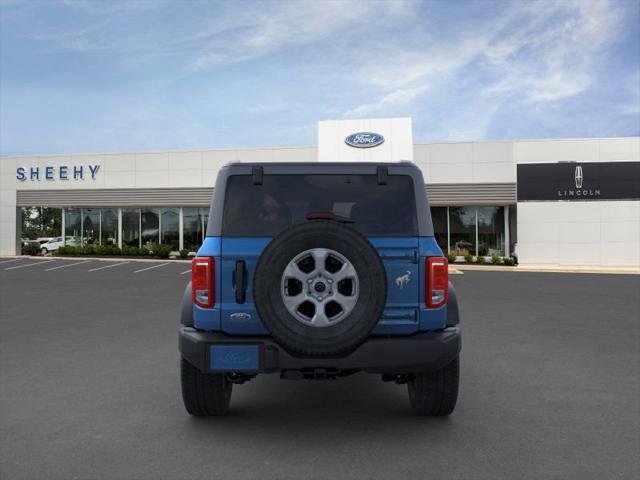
316	271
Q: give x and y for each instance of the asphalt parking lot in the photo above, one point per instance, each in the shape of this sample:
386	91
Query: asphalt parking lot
89	387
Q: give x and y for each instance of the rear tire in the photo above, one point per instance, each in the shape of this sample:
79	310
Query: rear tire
204	394
435	394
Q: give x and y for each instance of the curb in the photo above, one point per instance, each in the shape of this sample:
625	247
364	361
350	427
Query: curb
98	259
550	269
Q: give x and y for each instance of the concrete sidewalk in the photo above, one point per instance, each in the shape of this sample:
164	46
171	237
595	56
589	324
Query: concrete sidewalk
546	268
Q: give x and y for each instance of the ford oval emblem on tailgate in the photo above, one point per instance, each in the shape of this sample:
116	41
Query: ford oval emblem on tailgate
364	139
240	316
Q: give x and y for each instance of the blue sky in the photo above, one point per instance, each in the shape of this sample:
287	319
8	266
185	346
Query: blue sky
92	76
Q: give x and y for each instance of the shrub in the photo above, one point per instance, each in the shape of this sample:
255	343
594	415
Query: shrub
61	251
89	250
509	261
144	251
162	251
113	250
68	250
495	259
31	249
461	252
134	251
184	253
451	257
468	258
481	260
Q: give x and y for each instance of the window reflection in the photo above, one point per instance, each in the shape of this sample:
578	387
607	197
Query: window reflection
150	226
462	222
131	227
170	231
72	226
194	222
439	218
109	226
90	226
490	231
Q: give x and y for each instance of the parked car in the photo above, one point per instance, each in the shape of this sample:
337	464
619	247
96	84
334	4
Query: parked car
57	242
316	271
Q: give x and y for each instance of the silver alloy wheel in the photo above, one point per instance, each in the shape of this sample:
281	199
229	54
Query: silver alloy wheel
319	287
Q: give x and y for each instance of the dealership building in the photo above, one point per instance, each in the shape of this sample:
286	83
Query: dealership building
565	202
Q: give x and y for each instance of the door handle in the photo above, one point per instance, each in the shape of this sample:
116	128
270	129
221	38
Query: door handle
238	278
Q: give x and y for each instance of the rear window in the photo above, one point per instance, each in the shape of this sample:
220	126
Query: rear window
284	200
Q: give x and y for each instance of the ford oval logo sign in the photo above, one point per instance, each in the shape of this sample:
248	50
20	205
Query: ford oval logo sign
364	139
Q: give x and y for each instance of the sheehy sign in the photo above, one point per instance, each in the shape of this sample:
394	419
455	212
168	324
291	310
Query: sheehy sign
576	181
60	172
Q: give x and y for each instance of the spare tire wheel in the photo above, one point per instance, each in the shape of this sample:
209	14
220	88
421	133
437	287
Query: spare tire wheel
320	288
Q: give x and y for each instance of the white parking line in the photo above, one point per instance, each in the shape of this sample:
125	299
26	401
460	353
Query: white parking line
9	261
149	268
65	266
185	272
30	264
108	266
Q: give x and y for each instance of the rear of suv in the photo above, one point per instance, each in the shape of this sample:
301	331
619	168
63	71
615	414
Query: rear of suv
319	270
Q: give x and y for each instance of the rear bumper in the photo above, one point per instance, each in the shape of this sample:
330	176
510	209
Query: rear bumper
420	352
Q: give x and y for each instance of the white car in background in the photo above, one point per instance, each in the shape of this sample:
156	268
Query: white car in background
57	242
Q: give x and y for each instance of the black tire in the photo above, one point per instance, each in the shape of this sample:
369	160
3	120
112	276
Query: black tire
204	394
350	332
435	394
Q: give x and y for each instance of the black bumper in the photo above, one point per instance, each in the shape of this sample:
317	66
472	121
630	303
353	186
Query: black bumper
420	352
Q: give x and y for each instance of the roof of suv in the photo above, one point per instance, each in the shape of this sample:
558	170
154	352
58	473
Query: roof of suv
425	226
403	163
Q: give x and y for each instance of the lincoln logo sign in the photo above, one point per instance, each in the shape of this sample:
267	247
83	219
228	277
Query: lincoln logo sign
61	172
364	140
578	191
569	181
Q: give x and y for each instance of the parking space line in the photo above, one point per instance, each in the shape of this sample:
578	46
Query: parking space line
65	266
149	268
9	261
185	272
108	266
30	264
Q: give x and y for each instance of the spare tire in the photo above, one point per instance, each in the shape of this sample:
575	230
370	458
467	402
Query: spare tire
320	288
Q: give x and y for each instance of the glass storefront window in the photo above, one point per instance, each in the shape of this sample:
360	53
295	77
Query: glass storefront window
170	227
204	213
90	226
194	227
109	226
40	222
490	231
439	218
131	227
72	227
462	222
150	226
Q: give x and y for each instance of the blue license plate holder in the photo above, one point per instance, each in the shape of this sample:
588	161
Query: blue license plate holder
234	358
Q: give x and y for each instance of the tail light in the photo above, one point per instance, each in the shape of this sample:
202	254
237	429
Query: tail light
202	281
437	284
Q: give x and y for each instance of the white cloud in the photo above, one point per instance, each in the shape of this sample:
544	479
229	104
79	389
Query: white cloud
553	56
536	51
288	25
396	99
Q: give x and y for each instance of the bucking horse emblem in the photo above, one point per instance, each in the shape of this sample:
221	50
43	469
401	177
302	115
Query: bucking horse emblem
402	280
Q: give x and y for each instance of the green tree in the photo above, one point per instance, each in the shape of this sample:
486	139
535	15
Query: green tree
41	222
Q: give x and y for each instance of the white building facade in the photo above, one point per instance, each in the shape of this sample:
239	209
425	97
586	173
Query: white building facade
566	202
